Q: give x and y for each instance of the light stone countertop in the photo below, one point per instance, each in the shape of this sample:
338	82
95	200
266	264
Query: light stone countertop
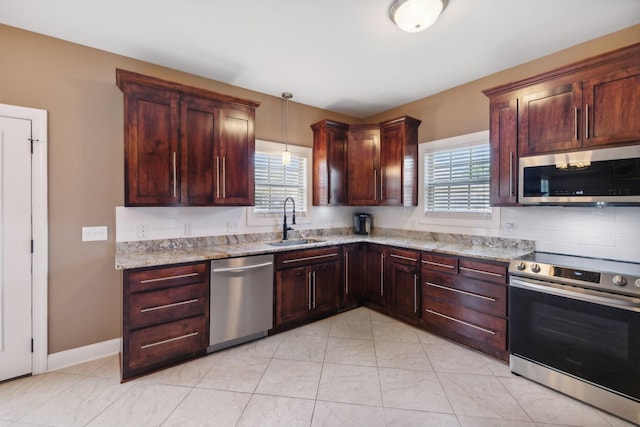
495	249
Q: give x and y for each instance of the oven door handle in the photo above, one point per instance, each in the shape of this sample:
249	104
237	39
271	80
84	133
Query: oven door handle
580	294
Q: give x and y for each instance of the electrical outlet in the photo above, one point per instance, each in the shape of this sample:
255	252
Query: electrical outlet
143	231
187	229
508	228
232	227
92	234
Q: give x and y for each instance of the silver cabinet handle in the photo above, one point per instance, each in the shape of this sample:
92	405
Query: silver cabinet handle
511	174
415	293
314	289
161	279
381	275
218	176
346	273
224	177
375	185
309	305
143	347
175	304
287	261
381	184
460	292
438	264
175	175
586	121
460	321
242	268
489	273
404	257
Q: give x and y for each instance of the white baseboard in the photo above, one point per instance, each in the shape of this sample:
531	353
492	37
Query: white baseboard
84	354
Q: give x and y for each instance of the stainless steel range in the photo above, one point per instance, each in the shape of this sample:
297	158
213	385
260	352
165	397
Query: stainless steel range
574	326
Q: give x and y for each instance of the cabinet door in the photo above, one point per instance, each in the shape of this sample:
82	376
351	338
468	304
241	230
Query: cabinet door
199	120
329	163
292	295
374	284
325	282
235	158
151	146
404	295
612	108
549	120
503	132
364	166
353	269
399	162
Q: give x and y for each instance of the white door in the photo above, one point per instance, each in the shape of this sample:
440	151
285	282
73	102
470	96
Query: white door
15	247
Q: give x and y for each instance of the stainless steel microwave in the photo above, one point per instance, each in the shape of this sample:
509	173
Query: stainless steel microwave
607	176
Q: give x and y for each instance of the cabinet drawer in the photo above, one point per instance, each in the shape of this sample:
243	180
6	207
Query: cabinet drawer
157	346
485	297
307	257
165	305
403	256
484	271
471	327
140	280
438	262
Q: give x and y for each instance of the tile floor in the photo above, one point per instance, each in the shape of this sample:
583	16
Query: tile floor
358	368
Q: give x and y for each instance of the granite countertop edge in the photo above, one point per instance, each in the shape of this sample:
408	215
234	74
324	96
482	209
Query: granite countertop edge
151	258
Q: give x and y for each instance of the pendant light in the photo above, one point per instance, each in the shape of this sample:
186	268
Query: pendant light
286	155
416	15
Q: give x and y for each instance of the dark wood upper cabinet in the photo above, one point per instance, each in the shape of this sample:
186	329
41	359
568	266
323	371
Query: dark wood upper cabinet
399	162
589	104
329	163
364	165
186	146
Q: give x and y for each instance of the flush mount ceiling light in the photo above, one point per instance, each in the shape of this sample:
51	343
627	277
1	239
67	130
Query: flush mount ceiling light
416	15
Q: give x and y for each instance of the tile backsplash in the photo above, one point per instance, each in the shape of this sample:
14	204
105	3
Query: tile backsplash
609	232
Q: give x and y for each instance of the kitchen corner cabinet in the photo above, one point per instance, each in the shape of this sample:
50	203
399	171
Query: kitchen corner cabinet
383	163
589	104
185	146
374	286
466	300
306	286
352	275
329	163
165	316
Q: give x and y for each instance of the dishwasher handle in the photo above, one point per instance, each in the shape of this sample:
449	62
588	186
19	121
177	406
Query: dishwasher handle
241	268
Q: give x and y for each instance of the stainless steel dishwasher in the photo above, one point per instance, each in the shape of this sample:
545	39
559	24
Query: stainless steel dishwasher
241	300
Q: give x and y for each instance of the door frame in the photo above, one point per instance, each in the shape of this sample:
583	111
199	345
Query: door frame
40	230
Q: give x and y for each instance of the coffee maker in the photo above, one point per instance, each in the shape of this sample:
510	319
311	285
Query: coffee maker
362	223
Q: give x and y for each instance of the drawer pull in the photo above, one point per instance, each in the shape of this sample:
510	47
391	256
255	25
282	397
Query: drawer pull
460	292
404	257
192	334
438	264
161	279
287	261
175	304
460	321
489	273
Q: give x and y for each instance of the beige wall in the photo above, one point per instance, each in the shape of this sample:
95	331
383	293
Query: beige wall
76	85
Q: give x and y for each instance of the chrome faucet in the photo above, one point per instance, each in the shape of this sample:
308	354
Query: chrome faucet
285	228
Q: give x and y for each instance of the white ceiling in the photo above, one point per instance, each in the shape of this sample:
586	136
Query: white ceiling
341	55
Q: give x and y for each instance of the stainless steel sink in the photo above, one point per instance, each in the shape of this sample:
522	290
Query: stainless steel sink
294	242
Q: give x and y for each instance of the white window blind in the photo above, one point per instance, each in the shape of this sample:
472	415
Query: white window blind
275	182
457	180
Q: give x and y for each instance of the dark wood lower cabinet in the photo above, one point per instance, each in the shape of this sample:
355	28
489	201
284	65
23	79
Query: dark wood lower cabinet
165	316
353	257
403	278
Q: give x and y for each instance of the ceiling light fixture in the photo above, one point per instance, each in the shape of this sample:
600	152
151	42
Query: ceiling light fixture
286	155
416	15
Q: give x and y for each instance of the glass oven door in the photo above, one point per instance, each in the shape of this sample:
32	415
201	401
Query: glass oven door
567	330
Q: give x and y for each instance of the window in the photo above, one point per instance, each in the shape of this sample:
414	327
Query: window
275	182
456	179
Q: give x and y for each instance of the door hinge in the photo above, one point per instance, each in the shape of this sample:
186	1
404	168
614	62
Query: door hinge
31	140
31	345
31	245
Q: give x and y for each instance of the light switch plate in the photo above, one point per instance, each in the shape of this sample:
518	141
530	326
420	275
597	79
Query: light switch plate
92	234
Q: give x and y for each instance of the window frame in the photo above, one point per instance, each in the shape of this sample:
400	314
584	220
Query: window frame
489	219
272	218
